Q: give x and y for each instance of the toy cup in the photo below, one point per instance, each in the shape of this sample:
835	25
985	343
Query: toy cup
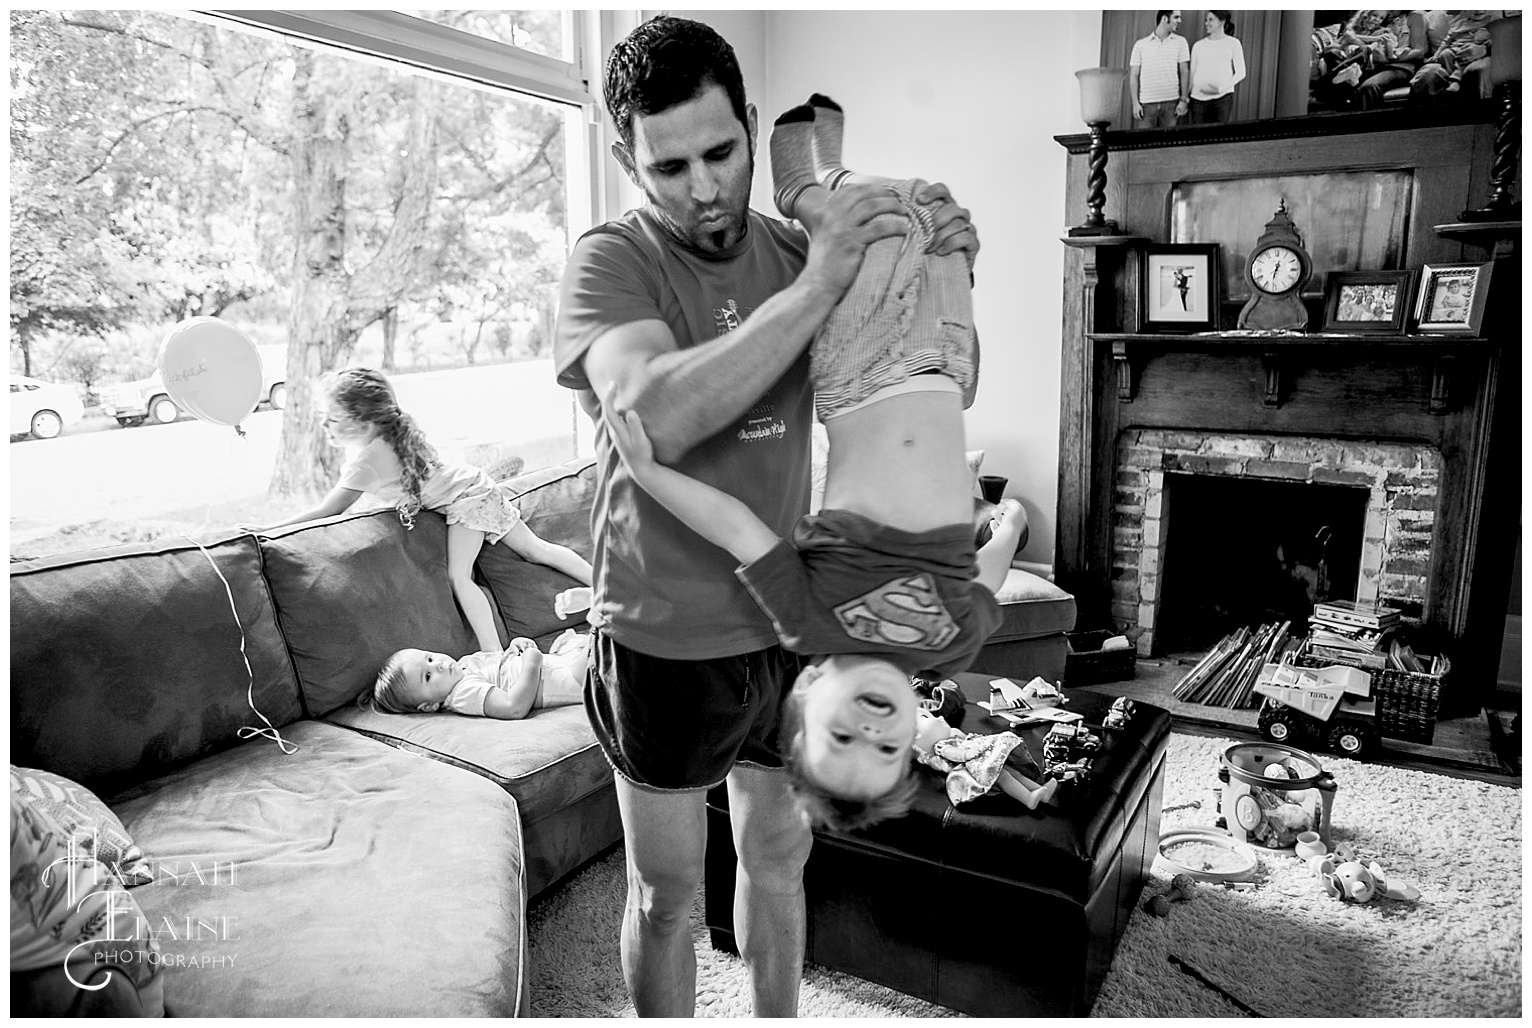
1309	844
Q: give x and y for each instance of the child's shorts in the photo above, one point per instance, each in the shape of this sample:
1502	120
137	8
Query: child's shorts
681	725
908	312
485	508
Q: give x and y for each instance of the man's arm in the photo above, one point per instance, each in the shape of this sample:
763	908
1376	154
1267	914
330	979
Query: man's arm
1184	79
1138	108
710	512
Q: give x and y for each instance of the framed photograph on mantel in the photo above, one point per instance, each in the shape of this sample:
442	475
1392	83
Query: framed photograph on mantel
1181	287
1451	300
1367	301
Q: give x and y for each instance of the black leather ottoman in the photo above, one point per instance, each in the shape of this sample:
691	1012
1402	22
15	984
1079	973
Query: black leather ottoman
992	909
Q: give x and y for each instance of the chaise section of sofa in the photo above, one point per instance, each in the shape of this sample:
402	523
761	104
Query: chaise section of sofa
342	879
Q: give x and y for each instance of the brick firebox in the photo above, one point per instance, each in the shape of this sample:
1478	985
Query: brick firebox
1401	480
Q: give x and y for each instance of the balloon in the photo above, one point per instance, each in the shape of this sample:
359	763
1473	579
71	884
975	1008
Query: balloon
212	369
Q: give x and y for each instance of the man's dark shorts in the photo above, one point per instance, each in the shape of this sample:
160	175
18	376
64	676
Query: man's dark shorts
683	724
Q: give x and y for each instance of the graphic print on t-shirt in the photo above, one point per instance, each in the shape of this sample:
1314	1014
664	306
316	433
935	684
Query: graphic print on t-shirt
760	422
905	612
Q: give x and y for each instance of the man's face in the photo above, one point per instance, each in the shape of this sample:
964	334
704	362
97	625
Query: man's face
1175	20
694	163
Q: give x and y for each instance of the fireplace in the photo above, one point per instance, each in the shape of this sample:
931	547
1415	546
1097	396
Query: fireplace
1214	530
1418	433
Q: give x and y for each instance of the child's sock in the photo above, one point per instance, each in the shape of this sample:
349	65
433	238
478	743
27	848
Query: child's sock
792	156
829	125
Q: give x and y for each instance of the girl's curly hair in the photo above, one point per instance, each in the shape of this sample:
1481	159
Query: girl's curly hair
367	396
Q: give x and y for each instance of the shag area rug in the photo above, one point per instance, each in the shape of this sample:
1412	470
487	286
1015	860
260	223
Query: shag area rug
1280	949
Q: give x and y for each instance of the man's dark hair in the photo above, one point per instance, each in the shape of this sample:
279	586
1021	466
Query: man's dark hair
1160	16
667	61
826	810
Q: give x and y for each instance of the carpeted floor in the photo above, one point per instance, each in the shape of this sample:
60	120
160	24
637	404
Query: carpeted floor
1282	949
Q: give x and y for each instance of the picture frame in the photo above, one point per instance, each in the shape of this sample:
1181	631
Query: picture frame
1181	287
1367	302
1451	298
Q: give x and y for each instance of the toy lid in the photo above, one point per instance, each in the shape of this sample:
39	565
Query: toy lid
1248	762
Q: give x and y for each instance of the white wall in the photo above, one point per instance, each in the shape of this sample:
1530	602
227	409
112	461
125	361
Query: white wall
972	99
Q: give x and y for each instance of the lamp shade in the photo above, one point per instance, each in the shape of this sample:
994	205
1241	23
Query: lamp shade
1505	49
1100	93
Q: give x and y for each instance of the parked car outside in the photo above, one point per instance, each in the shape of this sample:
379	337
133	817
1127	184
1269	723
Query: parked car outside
133	403
43	409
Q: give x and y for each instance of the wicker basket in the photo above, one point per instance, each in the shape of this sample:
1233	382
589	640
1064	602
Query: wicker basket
1407	700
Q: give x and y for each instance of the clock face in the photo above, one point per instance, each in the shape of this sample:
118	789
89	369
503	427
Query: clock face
1275	269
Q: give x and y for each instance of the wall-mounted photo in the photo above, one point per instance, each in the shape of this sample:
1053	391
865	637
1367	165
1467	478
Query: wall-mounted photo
1452	298
1369	60
1250	65
1367	301
1180	287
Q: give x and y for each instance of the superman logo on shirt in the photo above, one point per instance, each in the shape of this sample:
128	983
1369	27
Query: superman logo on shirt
905	612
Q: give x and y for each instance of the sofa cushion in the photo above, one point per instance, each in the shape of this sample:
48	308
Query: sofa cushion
555	502
351	590
69	915
128	661
548	760
345	879
1031	606
86	821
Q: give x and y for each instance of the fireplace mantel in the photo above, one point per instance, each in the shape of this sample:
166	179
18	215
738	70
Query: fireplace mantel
1455	396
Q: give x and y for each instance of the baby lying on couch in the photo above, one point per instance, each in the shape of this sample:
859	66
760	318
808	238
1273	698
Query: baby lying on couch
506	684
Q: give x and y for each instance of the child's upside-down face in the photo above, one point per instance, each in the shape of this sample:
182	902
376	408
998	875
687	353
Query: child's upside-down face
858	725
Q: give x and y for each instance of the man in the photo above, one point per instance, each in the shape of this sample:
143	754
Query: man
696	312
1465	50
1160	74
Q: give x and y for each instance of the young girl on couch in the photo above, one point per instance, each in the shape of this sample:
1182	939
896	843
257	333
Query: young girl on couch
885	580
388	456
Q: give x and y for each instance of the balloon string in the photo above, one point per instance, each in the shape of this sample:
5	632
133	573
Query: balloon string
247	731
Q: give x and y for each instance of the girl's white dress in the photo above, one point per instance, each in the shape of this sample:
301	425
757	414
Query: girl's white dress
464	494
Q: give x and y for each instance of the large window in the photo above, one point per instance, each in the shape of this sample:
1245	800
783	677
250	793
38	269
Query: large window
345	187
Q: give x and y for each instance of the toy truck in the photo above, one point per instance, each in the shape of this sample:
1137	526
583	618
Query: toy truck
1331	705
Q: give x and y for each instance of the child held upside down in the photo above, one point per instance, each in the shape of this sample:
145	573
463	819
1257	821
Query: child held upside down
505	684
884	580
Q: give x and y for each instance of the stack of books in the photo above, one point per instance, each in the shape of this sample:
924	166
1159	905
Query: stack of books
1350	632
1226	676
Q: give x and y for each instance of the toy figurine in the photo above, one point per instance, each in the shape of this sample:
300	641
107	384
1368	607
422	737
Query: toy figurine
1117	717
974	764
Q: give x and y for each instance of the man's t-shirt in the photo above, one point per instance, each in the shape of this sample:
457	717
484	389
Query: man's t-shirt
660	588
1158	60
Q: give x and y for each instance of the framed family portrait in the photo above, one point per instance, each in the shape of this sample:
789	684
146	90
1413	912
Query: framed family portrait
1451	299
1181	287
1367	301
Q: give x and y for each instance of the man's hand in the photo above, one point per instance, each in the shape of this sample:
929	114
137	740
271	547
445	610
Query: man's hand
1138	109
953	231
855	217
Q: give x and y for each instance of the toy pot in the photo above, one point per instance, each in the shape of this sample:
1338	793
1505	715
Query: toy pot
1263	781
1309	844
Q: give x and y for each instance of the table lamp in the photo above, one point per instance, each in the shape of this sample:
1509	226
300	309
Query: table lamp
1100	100
1505	74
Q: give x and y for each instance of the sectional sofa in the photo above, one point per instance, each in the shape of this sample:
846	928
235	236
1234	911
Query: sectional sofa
310	857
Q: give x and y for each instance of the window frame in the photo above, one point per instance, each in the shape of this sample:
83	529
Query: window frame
406	39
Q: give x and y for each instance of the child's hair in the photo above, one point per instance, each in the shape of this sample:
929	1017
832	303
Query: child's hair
364	394
390	679
825	809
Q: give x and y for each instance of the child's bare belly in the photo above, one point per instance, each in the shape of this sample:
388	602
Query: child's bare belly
901	461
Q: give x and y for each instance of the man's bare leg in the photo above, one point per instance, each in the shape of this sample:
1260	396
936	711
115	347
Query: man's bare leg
665	835
772	839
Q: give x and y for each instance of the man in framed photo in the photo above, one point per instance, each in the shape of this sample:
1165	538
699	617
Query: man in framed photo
1160	74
